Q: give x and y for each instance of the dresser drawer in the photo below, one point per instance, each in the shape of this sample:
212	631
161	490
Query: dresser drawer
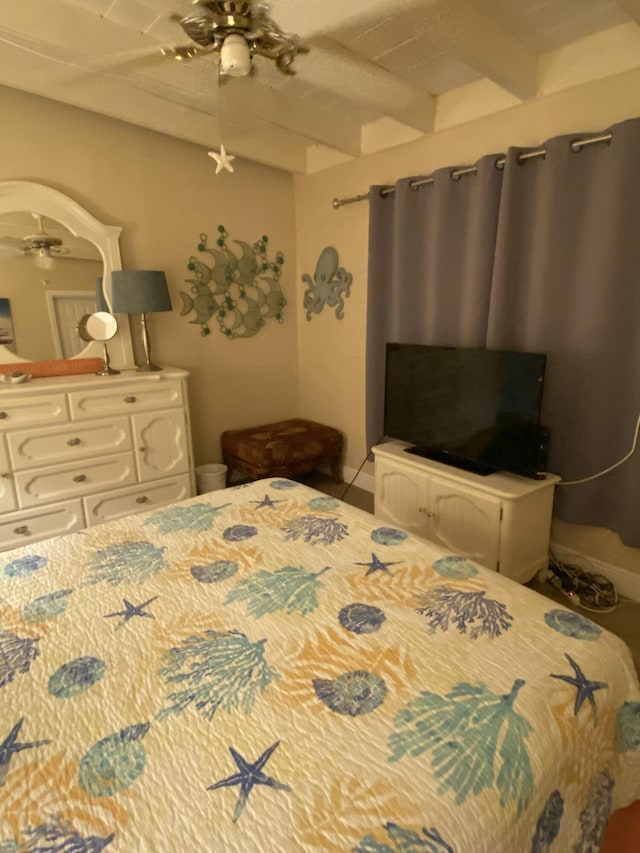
139	396
99	508
51	445
7	494
20	410
58	482
20	528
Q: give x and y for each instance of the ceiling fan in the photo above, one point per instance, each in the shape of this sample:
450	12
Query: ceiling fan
237	30
41	244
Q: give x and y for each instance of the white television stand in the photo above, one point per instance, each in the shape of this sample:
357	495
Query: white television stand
501	521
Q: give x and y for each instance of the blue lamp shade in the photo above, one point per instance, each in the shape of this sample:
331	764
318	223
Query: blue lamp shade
139	292
101	302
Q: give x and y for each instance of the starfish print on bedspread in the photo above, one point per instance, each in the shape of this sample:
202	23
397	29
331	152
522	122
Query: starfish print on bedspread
585	688
266	502
376	565
248	776
10	745
132	610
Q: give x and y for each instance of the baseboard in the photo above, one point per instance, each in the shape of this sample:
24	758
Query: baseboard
625	581
362	481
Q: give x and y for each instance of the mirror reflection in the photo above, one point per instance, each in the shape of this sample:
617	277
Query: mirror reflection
47	284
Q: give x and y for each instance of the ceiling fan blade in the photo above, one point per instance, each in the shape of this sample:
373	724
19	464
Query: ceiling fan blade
12	246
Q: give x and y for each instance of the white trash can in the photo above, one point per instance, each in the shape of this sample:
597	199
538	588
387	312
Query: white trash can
210	478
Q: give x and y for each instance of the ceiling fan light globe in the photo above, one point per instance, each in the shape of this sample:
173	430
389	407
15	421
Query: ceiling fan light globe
235	56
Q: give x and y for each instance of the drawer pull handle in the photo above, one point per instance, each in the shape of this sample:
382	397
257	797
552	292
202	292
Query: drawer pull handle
4	416
74	442
79	478
143	499
22	531
130	399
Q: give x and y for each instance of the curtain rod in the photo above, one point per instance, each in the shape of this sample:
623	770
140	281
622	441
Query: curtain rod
576	145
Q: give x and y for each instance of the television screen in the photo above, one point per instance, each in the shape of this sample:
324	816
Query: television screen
475	408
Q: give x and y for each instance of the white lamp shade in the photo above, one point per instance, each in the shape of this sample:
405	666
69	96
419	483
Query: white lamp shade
235	57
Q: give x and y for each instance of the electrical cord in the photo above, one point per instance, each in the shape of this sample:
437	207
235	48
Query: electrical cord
355	476
611	467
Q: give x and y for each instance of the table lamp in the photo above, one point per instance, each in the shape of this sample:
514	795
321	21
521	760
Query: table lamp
140	292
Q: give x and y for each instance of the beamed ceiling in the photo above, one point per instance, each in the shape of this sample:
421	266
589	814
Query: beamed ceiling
379	72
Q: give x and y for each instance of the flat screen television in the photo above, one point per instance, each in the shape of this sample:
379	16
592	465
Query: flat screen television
477	409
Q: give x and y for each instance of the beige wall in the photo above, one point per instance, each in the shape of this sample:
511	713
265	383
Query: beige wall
332	352
164	193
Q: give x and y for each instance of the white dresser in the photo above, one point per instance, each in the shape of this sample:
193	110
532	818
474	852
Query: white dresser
501	521
79	450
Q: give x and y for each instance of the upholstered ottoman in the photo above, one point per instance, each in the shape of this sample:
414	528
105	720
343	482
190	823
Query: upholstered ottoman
282	449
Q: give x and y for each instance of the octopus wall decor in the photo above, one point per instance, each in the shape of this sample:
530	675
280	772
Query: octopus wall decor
240	292
329	283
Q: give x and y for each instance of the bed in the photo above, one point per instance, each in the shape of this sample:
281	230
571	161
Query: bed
265	668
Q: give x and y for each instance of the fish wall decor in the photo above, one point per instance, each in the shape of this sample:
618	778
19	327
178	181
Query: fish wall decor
240	292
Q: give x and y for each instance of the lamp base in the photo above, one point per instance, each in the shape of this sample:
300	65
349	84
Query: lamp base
107	371
148	367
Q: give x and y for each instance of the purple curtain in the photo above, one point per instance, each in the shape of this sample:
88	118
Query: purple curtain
430	266
543	256
566	281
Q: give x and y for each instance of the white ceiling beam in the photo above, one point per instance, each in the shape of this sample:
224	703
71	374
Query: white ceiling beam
248	101
324	16
330	66
156	111
632	8
480	42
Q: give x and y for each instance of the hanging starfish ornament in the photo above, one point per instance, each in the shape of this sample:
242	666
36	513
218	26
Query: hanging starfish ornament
222	159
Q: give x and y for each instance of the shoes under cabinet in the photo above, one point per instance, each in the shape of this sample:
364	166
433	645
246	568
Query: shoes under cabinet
77	451
501	521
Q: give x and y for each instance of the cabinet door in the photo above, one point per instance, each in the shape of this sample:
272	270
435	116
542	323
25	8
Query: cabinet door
7	495
161	444
465	522
401	497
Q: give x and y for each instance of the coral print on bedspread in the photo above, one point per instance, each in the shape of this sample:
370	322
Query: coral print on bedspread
266	668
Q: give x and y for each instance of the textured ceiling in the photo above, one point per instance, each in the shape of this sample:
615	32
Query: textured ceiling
378	73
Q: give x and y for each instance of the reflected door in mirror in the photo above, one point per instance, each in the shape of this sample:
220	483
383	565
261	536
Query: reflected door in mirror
48	291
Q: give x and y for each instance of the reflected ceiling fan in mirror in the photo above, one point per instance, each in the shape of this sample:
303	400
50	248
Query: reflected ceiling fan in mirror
41	245
236	30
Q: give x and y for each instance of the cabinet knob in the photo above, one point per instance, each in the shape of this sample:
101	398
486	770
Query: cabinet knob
130	399
4	416
74	442
143	499
5	475
23	530
422	509
79	478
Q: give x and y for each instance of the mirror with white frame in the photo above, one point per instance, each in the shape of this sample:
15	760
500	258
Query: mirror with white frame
47	285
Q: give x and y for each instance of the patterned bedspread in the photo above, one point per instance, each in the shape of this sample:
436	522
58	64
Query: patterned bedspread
267	669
